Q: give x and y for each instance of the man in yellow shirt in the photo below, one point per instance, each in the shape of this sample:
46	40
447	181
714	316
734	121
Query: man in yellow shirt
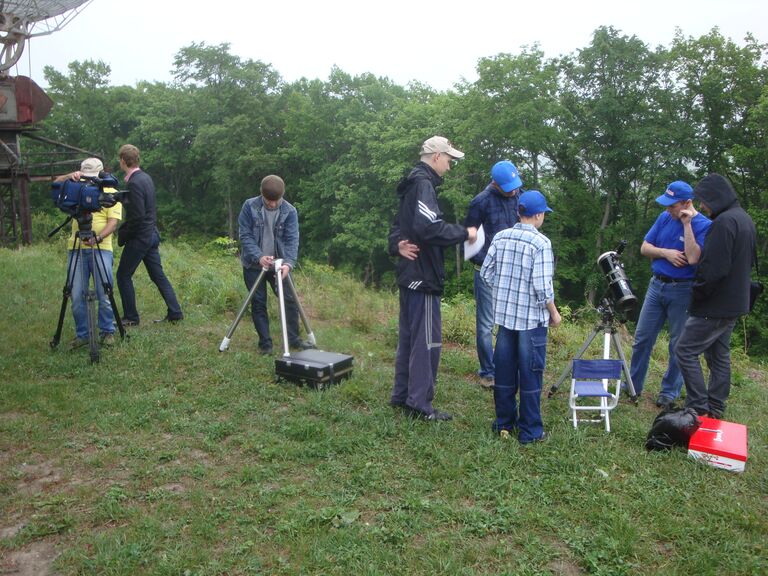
103	225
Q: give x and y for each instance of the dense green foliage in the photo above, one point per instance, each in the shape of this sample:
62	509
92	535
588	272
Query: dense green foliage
170	458
601	131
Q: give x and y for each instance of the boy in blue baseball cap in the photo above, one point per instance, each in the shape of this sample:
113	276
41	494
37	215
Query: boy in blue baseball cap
524	308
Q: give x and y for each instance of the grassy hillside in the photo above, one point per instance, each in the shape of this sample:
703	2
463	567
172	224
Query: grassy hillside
172	458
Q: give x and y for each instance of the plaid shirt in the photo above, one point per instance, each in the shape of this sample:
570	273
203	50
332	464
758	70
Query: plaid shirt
519	268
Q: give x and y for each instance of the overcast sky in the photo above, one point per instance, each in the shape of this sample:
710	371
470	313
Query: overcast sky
436	43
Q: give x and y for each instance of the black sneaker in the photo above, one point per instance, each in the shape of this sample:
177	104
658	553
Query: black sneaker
265	351
303	345
438	416
434	416
663	401
169	320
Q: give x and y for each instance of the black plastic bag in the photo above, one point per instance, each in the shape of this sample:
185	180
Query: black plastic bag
671	428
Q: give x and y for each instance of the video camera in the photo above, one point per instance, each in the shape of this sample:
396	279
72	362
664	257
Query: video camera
86	195
619	289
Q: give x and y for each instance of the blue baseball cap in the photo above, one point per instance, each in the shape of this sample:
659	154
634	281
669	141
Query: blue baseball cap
677	191
532	202
506	176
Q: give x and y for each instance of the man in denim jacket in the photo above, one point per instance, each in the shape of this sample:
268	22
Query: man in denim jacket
269	229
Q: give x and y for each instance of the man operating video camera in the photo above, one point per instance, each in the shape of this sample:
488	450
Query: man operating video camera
102	223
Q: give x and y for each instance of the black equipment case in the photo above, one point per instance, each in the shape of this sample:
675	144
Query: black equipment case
315	368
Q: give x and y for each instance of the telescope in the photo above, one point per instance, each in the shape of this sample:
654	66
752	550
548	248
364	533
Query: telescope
619	289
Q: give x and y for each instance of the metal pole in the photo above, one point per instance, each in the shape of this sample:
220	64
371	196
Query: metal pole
281	297
226	340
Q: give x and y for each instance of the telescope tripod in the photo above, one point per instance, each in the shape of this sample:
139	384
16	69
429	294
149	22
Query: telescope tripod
240	313
608	325
100	274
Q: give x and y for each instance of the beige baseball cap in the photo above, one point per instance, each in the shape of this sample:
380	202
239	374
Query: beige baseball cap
442	145
91	167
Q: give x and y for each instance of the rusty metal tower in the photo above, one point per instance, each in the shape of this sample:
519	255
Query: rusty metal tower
22	104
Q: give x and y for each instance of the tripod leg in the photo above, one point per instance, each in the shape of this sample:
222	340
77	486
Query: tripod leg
104	276
66	293
568	367
91	303
118	319
304	319
226	340
625	368
93	326
62	312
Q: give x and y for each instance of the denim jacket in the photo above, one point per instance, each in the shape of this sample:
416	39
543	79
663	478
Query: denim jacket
495	211
251	223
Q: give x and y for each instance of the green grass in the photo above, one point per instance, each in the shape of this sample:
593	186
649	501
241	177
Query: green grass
172	458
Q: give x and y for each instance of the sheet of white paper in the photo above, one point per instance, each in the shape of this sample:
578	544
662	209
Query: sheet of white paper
472	249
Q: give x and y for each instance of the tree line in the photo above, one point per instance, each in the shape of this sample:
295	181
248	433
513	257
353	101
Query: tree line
600	131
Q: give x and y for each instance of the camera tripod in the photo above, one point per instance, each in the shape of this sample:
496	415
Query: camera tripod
228	337
608	325
100	274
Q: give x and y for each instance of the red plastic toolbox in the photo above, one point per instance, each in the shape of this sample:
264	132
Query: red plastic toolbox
721	444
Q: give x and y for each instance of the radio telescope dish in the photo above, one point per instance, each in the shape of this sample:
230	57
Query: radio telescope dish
24	19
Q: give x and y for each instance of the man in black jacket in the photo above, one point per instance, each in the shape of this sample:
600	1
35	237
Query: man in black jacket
421	277
141	240
720	295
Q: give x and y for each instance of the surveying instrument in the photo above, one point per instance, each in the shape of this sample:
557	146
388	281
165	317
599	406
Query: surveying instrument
224	345
314	368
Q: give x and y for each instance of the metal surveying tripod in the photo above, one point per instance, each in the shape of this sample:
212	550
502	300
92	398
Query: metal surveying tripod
228	337
608	325
100	274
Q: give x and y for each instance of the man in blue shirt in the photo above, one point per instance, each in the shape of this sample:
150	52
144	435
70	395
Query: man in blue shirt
495	209
674	245
519	268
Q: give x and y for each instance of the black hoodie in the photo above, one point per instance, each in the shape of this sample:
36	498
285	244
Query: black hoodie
420	221
721	287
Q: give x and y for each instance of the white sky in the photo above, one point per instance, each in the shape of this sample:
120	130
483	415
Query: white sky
436	43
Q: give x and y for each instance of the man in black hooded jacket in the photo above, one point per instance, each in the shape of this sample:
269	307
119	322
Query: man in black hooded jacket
419	235
720	295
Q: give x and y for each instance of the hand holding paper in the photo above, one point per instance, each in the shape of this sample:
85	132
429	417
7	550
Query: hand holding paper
472	248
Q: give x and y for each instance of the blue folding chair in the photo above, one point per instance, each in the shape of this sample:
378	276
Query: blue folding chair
591	383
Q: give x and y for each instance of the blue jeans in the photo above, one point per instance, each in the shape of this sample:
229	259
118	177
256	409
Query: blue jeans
80	277
520	357
484	326
712	337
136	251
259	312
663	302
